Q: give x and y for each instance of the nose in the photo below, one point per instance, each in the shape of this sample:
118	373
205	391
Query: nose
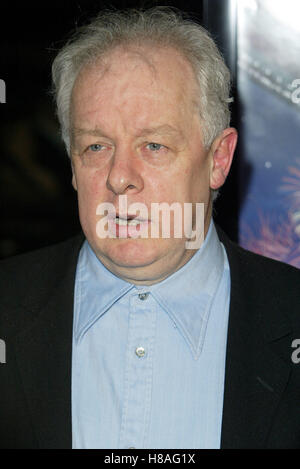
124	176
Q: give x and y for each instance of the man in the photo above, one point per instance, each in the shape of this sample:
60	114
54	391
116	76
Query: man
122	338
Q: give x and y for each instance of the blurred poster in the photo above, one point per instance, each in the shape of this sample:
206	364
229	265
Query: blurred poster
269	93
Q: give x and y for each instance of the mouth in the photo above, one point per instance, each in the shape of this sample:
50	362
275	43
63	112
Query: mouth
124	224
129	221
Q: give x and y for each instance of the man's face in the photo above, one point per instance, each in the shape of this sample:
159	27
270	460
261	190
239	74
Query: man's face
136	131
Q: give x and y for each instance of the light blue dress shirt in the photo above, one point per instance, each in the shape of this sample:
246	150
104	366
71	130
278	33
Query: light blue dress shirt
148	363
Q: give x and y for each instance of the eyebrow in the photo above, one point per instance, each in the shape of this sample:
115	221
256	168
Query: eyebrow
77	132
164	129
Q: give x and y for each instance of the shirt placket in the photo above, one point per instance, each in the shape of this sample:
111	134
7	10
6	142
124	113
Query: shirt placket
138	373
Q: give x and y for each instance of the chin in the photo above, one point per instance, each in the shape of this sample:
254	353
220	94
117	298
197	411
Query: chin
129	252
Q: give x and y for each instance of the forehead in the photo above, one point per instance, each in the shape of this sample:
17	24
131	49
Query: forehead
136	80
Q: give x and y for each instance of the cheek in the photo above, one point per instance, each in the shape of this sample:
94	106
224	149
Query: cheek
170	188
91	191
199	182
188	181
89	197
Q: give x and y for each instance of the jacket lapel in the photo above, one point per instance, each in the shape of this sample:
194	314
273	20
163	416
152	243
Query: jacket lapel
255	375
44	352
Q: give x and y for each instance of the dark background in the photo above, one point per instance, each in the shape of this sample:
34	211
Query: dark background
38	205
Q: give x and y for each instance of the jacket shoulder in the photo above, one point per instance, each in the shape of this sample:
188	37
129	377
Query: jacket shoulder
264	281
38	258
251	261
28	280
269	269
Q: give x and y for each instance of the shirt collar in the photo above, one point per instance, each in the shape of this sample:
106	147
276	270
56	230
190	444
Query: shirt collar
95	286
186	295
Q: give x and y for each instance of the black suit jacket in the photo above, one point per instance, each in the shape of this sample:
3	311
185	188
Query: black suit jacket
262	384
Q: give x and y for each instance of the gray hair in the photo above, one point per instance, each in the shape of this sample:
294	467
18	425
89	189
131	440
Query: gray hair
160	27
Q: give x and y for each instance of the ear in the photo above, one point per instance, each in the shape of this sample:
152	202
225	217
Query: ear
222	151
74	182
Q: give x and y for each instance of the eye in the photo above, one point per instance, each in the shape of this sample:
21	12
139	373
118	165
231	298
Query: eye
155	146
95	147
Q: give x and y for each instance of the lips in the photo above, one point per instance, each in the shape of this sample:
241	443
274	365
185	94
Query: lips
129	222
127	226
129	216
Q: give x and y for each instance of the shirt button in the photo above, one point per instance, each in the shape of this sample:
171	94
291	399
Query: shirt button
140	352
143	296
